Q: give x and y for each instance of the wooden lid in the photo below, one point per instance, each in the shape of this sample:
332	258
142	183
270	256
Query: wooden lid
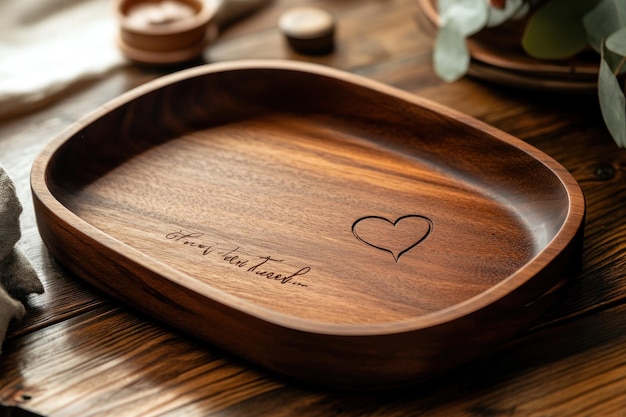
309	30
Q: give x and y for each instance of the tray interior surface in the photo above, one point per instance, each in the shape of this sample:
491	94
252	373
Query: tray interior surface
336	208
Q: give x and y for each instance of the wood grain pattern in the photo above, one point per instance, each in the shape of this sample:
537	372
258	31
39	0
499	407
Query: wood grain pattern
571	364
131	366
244	199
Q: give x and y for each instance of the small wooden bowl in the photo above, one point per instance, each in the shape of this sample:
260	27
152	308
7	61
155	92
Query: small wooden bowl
165	31
317	223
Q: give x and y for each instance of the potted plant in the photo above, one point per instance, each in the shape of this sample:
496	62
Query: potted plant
552	30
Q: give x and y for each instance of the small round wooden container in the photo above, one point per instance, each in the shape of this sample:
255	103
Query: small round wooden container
309	30
164	31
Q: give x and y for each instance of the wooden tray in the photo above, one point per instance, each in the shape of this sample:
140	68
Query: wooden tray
320	224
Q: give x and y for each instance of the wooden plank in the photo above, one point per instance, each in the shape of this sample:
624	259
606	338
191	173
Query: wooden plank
369	34
112	361
108	361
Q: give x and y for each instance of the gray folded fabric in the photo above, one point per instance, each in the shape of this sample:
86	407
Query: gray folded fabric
10	309
18	279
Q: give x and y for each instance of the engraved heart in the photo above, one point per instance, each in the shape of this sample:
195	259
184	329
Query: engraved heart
396	237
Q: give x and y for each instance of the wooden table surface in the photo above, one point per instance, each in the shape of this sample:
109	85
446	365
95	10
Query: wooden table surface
80	353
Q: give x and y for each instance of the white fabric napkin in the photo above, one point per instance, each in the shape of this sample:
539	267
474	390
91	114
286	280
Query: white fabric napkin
47	46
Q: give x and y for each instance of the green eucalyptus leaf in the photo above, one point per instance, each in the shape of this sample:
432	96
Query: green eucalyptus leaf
614	60
607	17
616	42
499	16
522	12
466	16
612	104
450	54
614	51
556	31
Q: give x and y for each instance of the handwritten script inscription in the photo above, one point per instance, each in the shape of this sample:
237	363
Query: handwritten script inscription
265	267
397	237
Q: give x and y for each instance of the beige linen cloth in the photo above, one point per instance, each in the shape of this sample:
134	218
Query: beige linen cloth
49	46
